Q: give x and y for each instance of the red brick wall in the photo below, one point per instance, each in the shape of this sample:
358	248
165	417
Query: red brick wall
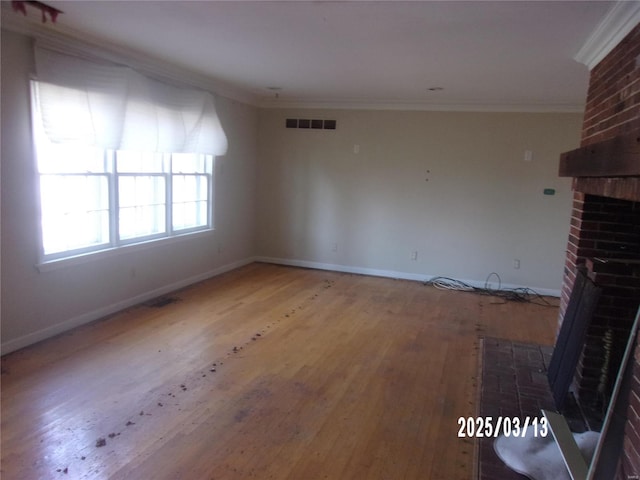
612	109
613	99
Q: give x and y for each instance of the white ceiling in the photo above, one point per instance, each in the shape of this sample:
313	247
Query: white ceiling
482	53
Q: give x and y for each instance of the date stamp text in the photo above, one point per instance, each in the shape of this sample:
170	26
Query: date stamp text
492	427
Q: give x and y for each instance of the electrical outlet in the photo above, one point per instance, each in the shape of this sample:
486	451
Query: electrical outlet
334	247
414	255
516	264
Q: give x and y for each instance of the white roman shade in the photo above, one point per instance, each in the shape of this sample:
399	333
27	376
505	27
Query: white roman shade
114	107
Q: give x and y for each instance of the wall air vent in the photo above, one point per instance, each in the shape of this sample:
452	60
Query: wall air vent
315	124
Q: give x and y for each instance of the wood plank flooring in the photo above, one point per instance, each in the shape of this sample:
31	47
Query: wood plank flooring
266	372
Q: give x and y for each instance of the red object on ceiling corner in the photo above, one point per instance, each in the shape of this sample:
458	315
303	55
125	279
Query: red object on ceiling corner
21	6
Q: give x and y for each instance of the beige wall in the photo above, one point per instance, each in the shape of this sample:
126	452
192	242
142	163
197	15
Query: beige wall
37	304
481	208
292	195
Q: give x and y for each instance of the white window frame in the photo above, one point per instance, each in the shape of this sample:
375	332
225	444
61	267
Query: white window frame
115	244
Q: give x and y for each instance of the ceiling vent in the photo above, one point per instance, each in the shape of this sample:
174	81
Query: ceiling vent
315	124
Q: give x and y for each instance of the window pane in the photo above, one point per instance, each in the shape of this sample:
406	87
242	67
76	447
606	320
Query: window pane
190	196
189	215
189	188
142	206
75	211
139	162
190	163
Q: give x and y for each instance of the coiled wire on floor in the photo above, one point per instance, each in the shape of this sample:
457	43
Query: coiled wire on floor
523	295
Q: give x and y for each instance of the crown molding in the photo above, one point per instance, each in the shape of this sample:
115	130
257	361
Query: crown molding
81	43
73	41
619	21
329	104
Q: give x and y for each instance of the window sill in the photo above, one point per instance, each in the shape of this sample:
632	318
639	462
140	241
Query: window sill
57	264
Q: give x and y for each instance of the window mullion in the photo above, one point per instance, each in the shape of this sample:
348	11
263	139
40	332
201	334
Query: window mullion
114	200
210	184
169	194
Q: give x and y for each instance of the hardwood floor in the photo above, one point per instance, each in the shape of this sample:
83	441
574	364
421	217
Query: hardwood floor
266	372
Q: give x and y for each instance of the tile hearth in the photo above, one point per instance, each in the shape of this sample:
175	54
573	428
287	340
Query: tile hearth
513	384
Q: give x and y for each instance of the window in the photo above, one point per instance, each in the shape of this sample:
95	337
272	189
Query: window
123	158
94	199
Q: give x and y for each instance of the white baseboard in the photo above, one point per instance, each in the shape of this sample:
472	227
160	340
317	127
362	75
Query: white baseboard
391	274
344	268
31	338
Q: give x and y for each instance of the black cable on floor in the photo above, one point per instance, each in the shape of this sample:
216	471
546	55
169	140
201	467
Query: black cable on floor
523	295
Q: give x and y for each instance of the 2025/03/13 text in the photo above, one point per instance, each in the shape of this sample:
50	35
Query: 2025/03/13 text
481	427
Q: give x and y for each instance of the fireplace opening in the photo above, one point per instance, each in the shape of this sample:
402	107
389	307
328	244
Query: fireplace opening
606	238
608	332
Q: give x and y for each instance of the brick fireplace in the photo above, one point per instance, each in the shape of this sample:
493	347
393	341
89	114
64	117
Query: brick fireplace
605	232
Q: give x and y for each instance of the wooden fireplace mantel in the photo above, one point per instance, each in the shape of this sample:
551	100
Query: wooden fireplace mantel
616	157
610	168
